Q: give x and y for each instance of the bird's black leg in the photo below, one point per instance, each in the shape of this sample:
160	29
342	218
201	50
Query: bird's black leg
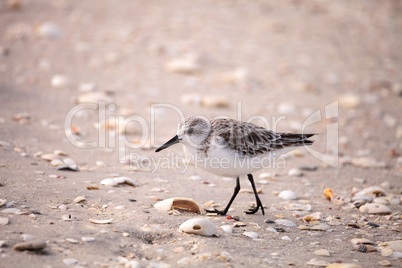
236	191
257	199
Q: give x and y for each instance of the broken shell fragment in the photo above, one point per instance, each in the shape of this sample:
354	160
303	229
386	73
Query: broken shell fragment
358	241
227	228
200	226
328	193
118	180
253	235
179	203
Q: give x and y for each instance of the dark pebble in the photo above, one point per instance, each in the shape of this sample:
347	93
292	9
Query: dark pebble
308	168
132	200
269	221
373	224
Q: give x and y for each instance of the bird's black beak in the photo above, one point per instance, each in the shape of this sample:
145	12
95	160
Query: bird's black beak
172	141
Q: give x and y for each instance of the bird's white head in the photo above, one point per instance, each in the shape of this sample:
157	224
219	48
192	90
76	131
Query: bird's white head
192	132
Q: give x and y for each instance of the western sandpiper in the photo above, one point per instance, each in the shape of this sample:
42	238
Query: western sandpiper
231	148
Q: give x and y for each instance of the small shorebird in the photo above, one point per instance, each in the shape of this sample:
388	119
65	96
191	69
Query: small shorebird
231	148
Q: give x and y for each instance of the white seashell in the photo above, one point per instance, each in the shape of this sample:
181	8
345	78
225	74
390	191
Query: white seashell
108	182
253	235
59	81
125	180
96	221
295	172
320	227
227	228
358	241
288	195
369	191
200	226
119	207
195	178
179	203
70	162
285	223
374	208
118	180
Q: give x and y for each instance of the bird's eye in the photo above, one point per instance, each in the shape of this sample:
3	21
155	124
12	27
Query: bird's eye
190	130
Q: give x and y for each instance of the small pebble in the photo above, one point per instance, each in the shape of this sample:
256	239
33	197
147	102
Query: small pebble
49	30
31	245
385	263
88	239
72	240
4	220
70	261
286	238
372	224
188	64
322	252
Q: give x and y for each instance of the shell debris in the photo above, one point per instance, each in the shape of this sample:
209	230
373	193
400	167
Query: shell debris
179	203
200	226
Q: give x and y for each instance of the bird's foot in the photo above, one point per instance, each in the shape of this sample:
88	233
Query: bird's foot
219	212
255	209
